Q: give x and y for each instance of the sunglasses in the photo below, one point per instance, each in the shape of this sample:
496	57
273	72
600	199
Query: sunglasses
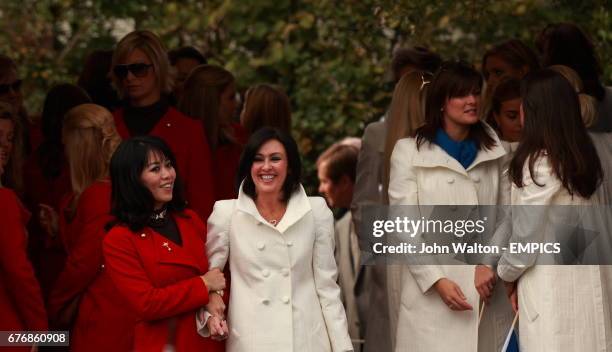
15	87
138	70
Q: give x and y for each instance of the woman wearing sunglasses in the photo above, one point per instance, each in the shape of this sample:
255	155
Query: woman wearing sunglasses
141	74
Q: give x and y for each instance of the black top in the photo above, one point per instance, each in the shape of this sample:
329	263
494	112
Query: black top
140	120
165	225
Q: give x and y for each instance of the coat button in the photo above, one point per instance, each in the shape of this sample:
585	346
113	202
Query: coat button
143	235
285	299
261	246
289	243
265	273
168	124
450	180
102	266
285	272
476	179
265	301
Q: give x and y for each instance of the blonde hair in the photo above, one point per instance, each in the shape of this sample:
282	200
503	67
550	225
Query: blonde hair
406	114
266	105
152	46
12	175
201	98
90	138
588	104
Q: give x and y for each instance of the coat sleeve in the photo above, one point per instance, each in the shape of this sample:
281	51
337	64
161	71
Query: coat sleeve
217	241
131	279
325	275
529	217
16	268
85	257
199	183
403	190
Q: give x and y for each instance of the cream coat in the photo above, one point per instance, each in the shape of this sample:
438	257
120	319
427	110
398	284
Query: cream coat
430	176
561	308
284	295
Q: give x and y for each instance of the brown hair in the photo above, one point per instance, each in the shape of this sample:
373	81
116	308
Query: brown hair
507	89
515	53
90	138
266	105
420	58
12	176
588	104
454	79
152	46
341	160
406	115
201	97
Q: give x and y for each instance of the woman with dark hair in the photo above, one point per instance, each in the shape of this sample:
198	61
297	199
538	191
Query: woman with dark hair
280	247
141	75
209	95
95	79
508	59
47	179
504	113
562	307
566	44
155	250
452	160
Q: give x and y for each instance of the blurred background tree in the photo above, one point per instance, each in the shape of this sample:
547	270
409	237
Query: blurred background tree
331	57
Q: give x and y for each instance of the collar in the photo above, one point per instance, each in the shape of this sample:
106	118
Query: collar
297	207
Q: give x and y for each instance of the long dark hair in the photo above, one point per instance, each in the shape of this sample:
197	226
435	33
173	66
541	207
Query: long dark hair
453	79
60	99
566	44
553	127
294	164
131	202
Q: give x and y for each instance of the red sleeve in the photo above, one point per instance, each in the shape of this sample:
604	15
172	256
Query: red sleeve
16	268
85	255
198	179
132	281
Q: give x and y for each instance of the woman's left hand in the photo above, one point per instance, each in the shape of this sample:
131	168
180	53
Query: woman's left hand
218	328
215	305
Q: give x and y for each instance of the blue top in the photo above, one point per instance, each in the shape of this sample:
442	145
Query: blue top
464	152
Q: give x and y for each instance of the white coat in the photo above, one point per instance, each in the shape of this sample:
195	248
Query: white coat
429	176
283	295
561	307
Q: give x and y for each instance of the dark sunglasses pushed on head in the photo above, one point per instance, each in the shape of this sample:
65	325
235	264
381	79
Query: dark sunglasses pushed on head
15	87
138	70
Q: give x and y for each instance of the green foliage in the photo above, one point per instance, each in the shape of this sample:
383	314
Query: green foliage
331	57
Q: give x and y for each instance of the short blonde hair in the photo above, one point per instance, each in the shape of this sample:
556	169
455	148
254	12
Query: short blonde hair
152	46
90	138
588	104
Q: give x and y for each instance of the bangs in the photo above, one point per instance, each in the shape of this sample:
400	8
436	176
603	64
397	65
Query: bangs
464	83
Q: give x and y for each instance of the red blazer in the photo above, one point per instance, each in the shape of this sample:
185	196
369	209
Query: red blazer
187	140
21	304
225	165
103	322
160	280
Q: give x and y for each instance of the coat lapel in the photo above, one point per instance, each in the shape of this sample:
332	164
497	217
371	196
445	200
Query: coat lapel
187	254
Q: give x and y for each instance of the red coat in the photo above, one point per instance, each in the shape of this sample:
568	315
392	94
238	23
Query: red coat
103	322
161	281
187	140
21	304
225	165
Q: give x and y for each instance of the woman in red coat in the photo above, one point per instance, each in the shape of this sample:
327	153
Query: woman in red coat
141	74
102	322
155	252
21	304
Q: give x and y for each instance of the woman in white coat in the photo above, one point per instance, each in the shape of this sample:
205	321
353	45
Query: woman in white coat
561	307
452	160
280	246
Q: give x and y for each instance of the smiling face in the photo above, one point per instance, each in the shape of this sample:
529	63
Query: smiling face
509	121
269	169
141	91
6	140
158	177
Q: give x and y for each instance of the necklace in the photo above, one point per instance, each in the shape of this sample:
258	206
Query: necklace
273	222
158	218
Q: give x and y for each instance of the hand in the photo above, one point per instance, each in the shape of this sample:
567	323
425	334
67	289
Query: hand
484	281
214	280
215	305
218	328
452	295
48	219
512	294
